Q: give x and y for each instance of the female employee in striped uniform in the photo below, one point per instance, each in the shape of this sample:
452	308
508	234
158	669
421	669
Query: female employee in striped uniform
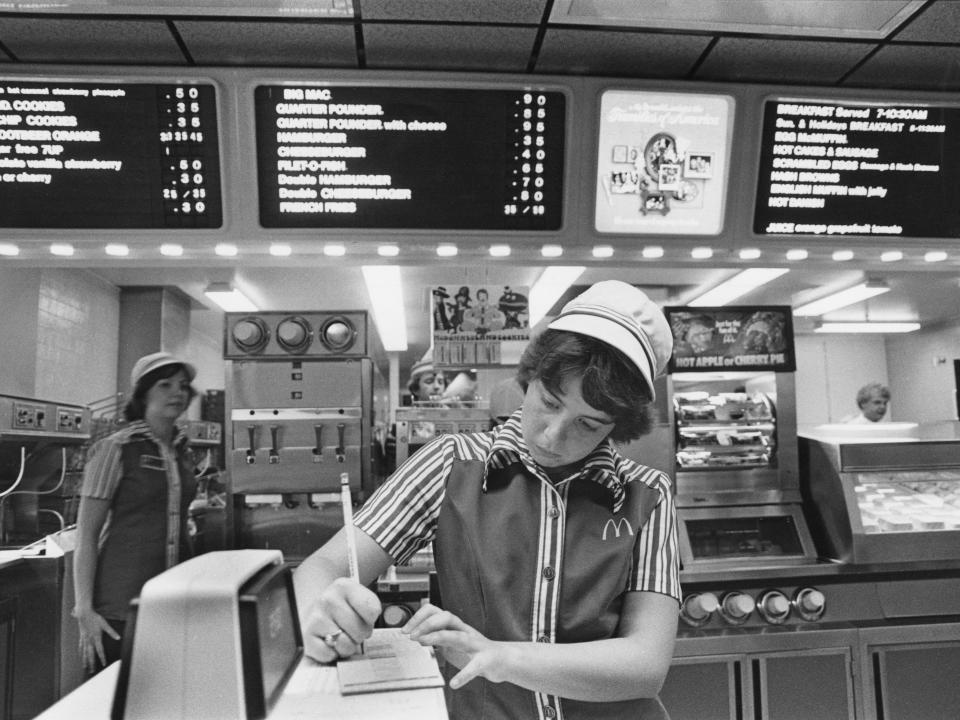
556	556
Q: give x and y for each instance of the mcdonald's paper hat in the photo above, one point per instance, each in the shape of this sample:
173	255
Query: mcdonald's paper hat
148	363
622	316
421	367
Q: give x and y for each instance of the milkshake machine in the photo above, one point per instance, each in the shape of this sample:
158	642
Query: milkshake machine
299	412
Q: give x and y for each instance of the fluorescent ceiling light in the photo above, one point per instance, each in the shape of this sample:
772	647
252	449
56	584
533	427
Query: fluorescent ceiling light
447	250
552	283
749	253
334	250
229	298
226	250
701	253
386	296
935	256
652	252
856	294
797	254
842	255
117	250
603	251
867	327
171	250
499	250
740	284
9	249
551	251
280	250
891	255
61	249
388	250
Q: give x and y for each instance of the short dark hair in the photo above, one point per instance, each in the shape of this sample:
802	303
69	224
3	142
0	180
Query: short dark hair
610	382
136	406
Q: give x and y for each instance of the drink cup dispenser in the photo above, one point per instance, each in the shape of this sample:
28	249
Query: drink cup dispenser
299	406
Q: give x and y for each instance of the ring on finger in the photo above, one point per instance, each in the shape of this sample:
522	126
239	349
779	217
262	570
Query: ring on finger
330	639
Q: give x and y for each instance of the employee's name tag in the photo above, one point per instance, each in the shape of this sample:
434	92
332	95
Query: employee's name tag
152	462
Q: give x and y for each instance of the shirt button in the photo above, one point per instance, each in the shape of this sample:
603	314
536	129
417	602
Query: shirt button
549	712
549	573
554	511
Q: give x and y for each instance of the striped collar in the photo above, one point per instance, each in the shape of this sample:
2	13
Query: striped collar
599	466
140	429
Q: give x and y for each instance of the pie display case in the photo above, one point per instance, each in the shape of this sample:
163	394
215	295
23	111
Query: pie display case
724	430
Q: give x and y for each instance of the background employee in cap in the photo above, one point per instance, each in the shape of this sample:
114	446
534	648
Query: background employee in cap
132	521
556	556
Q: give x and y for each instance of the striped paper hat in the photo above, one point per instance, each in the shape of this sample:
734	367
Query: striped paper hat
622	316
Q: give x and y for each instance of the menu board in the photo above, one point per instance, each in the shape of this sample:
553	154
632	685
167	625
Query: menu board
731	338
662	162
108	155
832	168
409	157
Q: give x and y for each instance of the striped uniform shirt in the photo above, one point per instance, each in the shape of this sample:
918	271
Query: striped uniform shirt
564	553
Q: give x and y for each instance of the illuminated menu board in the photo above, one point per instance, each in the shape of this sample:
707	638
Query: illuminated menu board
108	155
419	158
831	168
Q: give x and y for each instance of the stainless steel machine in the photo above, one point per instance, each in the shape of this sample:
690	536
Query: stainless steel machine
299	412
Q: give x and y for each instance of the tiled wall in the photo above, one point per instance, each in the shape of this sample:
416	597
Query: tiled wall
77	339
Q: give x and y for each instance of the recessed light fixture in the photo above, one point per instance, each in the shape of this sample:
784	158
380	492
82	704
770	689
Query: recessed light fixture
228	298
855	294
61	249
171	250
226	250
117	250
891	255
935	256
551	251
652	252
9	250
867	327
334	250
602	251
842	255
740	284
385	289
797	254
750	253
499	251
447	250
388	250
701	253
280	250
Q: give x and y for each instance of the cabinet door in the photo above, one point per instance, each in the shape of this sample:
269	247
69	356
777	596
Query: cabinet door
916	680
804	685
704	688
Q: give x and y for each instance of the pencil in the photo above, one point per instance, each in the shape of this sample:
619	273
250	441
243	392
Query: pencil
346	502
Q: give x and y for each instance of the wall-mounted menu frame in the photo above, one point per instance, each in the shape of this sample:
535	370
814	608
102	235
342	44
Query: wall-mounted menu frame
91	154
397	156
662	162
857	167
731	338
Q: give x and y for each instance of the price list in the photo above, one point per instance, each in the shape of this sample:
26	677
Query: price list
830	168
106	155
410	157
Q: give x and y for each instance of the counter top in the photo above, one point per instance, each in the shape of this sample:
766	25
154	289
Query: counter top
820	571
10	557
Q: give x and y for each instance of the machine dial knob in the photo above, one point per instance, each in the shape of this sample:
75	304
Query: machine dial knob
250	334
736	607
337	334
697	608
810	603
293	334
396	615
774	607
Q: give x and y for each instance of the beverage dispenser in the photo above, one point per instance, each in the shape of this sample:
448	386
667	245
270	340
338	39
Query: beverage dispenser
299	411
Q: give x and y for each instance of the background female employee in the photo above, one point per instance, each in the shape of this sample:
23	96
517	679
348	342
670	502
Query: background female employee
132	520
556	556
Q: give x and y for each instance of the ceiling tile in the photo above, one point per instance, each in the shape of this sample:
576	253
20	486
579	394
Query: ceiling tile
484	11
911	67
939	22
448	47
634	54
755	59
72	40
270	43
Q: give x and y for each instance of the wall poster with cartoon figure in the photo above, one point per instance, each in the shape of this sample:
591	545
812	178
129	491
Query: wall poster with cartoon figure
480	324
662	165
731	338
